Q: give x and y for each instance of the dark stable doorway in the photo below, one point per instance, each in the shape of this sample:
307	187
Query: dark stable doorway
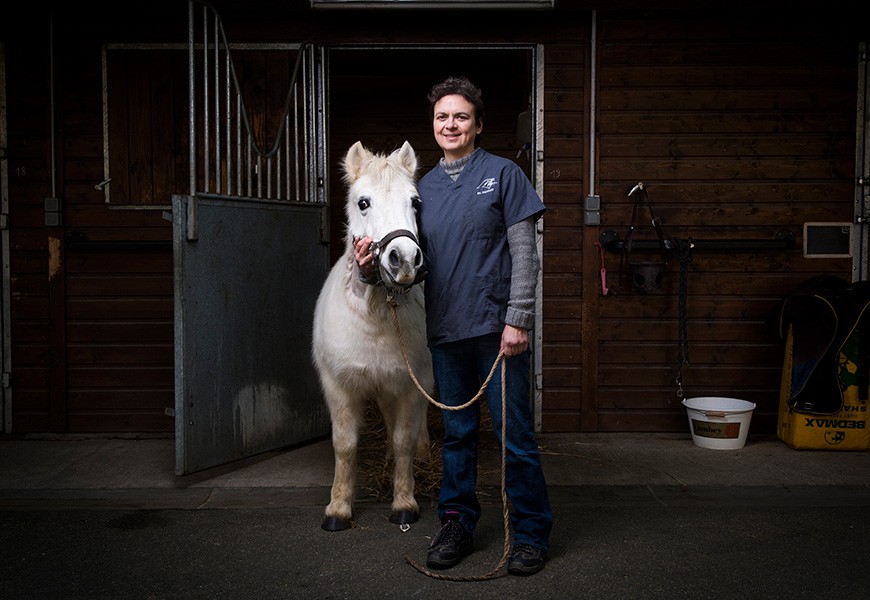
379	96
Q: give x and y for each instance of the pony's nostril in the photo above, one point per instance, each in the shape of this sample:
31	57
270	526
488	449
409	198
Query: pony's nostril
418	258
395	259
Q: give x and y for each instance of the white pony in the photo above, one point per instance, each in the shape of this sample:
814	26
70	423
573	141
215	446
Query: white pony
356	348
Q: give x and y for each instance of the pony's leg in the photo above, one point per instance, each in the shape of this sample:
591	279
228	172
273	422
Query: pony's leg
347	417
424	452
427	382
403	417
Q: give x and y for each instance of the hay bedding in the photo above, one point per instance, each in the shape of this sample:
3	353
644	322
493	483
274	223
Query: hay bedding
376	468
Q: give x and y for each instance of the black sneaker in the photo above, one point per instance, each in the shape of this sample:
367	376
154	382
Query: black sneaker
526	560
451	544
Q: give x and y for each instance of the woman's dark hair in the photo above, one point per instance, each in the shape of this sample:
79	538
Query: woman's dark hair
461	86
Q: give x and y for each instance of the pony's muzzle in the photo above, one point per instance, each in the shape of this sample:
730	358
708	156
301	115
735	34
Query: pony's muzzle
400	260
403	269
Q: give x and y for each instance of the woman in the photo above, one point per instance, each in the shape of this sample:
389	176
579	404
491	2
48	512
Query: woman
477	228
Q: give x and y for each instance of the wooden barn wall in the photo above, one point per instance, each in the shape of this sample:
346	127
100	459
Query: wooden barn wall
33	332
92	299
566	123
739	128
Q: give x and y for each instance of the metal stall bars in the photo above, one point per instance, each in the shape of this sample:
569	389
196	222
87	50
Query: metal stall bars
226	158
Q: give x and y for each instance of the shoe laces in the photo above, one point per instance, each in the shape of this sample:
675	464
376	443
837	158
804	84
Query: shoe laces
450	533
524	549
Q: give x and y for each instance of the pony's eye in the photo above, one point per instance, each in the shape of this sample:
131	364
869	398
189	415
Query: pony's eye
363	203
415	202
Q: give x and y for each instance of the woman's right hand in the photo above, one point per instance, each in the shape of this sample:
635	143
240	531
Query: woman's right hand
362	253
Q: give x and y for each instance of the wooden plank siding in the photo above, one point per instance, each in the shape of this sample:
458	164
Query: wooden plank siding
147	95
118	306
92	333
33	352
119	349
564	356
739	128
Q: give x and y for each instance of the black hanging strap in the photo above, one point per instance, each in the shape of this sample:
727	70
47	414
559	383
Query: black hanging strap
640	198
683	253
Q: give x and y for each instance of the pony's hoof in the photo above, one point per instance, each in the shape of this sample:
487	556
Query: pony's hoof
335	524
404	517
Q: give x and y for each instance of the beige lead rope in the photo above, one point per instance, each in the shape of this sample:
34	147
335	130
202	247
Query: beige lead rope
504	500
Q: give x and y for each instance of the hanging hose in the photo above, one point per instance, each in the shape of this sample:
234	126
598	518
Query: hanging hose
683	253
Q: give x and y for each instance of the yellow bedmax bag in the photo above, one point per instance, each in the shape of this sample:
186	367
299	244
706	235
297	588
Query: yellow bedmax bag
826	367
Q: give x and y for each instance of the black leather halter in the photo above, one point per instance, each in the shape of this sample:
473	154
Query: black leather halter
378	246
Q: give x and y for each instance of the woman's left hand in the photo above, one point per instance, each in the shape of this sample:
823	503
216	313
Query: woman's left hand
514	340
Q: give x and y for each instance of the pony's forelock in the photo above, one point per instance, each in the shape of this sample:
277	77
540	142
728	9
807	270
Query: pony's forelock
359	160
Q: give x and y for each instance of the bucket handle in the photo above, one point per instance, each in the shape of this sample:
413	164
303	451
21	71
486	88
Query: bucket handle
713	413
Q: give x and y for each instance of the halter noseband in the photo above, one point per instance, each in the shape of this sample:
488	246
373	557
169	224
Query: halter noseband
384	241
397	233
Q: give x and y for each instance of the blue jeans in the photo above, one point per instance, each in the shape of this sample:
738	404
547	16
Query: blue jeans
460	368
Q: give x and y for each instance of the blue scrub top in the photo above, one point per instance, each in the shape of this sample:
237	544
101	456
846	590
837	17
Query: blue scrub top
463	231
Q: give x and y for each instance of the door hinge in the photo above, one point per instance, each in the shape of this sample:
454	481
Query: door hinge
192	231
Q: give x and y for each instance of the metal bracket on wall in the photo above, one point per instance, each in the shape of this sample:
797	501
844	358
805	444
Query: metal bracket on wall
783	240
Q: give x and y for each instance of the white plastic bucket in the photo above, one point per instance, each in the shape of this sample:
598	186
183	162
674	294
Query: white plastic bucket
719	423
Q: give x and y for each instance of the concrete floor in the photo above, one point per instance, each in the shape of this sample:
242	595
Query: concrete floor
69	469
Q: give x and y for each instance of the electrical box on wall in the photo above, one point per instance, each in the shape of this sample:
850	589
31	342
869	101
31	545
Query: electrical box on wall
592	210
53	212
827	240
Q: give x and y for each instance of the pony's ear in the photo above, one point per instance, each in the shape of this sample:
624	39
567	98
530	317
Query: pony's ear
407	158
353	162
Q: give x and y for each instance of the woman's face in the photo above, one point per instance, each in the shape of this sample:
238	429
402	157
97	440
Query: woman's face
455	126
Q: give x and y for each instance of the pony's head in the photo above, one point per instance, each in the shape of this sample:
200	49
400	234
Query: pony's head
382	204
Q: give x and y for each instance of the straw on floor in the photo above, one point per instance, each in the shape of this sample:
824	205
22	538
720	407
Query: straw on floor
376	467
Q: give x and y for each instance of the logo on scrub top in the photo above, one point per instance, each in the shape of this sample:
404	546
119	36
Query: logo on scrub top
487	186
